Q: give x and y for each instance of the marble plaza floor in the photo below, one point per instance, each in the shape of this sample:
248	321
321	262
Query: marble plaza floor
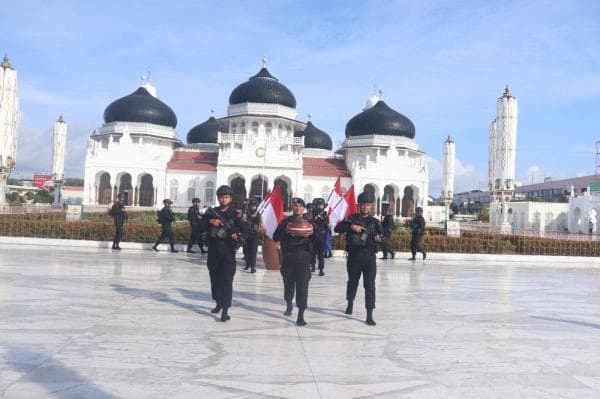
90	323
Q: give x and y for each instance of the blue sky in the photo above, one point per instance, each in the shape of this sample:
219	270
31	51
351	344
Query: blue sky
441	63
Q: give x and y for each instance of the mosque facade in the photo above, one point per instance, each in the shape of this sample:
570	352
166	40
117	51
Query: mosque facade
260	143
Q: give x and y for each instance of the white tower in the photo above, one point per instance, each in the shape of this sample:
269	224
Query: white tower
448	157
502	152
58	156
59	149
9	117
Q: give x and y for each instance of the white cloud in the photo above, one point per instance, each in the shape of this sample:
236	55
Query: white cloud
466	177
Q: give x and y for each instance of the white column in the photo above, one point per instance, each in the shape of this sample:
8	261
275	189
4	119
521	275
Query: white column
9	118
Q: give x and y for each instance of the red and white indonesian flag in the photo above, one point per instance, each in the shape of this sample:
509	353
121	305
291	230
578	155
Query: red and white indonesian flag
345	207
335	196
271	209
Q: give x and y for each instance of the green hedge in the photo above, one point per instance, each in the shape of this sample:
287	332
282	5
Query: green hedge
142	227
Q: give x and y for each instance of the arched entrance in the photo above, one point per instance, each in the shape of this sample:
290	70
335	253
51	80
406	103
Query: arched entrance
389	200
408	202
146	192
259	187
126	188
104	189
286	194
238	186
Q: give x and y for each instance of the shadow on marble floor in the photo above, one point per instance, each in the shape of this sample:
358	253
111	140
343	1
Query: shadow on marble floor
53	376
164	298
575	322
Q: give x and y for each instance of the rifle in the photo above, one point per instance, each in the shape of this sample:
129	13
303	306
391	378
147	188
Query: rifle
360	239
225	230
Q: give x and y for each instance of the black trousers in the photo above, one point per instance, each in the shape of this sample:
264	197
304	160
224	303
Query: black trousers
386	236
295	270
250	250
357	264
221	269
318	253
415	244
118	233
166	232
195	236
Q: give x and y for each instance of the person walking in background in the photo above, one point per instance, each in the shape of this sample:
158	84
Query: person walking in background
253	222
165	219
320	220
195	217
417	226
119	216
388	227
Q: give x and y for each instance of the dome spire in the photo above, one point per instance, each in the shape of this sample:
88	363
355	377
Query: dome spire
374	99
264	61
145	83
5	63
61	119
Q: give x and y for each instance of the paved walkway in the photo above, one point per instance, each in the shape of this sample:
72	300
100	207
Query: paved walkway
91	323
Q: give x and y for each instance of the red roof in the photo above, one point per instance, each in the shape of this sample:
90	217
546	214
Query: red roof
191	160
325	167
72	188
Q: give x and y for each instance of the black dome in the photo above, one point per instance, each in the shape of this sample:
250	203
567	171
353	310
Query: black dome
380	119
140	106
206	132
262	88
315	138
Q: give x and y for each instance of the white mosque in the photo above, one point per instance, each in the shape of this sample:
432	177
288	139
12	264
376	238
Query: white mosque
259	144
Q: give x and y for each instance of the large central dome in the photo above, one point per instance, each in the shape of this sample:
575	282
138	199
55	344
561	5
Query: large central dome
262	88
380	119
140	106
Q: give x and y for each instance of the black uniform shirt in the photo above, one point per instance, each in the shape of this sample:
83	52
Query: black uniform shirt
418	225
118	212
373	228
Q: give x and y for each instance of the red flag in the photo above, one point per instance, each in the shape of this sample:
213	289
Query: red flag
335	196
271	209
344	208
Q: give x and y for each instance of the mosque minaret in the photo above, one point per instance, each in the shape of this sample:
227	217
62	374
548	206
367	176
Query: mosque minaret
9	118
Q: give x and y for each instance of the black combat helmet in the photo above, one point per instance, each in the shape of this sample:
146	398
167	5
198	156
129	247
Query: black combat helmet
419	209
252	202
224	190
319	201
366	197
297	200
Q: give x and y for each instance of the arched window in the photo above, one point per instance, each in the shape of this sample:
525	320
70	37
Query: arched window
325	191
268	128
209	193
243	128
255	127
308	193
174	188
234	128
191	193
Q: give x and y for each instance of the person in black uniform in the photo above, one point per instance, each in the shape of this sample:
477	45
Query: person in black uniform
195	217
320	220
119	216
252	220
296	254
225	232
417	226
363	232
165	218
388	226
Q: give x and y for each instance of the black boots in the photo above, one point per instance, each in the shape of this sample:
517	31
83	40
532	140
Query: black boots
370	320
321	272
216	309
174	250
154	248
349	308
189	251
424	254
300	320
253	269
224	315
288	309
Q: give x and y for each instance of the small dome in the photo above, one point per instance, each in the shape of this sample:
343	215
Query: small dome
140	106
206	132
262	88
380	119
315	137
